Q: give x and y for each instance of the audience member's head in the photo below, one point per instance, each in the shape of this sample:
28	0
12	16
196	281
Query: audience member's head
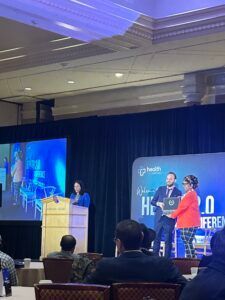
149	236
128	235
68	243
217	243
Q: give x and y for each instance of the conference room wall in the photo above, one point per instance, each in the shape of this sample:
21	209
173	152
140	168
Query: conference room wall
10	114
101	152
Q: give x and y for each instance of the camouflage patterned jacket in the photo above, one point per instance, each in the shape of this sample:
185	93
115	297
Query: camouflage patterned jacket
82	266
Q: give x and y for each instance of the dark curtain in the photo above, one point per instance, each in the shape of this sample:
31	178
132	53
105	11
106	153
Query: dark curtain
101	151
21	239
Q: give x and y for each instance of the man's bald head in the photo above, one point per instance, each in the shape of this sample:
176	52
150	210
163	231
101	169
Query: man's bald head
68	243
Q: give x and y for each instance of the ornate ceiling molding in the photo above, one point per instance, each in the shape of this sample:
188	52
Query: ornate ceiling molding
105	19
190	24
141	30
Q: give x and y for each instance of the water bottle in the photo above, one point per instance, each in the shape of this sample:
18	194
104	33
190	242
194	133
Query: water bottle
7	283
1	281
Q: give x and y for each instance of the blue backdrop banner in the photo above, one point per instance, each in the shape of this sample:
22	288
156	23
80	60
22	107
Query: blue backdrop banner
150	172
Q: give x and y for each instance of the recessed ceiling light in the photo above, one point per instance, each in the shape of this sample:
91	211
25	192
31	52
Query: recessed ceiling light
67	26
70	81
125	7
119	75
61	39
11	58
82	3
68	47
9	50
27	89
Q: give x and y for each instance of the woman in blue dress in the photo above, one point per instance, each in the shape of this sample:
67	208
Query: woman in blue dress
79	197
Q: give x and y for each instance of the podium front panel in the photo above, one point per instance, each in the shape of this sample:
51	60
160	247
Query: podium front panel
81	237
61	218
57	221
53	237
78	226
78	220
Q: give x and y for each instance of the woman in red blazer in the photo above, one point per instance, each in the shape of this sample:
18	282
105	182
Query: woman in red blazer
188	214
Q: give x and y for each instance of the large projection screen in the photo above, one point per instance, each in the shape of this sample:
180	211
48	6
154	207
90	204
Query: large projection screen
29	172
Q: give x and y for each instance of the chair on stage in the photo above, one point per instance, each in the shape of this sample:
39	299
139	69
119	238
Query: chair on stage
145	291
174	245
28	193
185	264
58	270
38	208
72	291
202	246
42	192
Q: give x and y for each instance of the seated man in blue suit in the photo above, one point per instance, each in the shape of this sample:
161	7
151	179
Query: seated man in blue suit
163	224
132	264
209	284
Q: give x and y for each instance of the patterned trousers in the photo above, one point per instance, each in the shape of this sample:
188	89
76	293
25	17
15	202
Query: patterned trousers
16	191
187	235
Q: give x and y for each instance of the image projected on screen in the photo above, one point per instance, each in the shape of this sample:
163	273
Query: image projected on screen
30	172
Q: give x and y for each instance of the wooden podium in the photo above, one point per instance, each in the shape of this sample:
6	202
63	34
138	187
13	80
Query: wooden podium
60	218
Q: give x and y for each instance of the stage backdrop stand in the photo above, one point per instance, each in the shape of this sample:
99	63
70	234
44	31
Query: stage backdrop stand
60	218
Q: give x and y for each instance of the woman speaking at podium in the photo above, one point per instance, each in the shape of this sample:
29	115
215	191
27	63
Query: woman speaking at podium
188	214
79	197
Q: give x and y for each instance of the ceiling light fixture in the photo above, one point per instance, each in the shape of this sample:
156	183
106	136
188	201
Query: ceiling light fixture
68	47
125	7
67	26
62	39
119	75
27	89
9	50
70	81
82	3
10	58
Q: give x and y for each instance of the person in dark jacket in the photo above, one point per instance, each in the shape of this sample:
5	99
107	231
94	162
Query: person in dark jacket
207	259
132	264
148	238
163	224
209	284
